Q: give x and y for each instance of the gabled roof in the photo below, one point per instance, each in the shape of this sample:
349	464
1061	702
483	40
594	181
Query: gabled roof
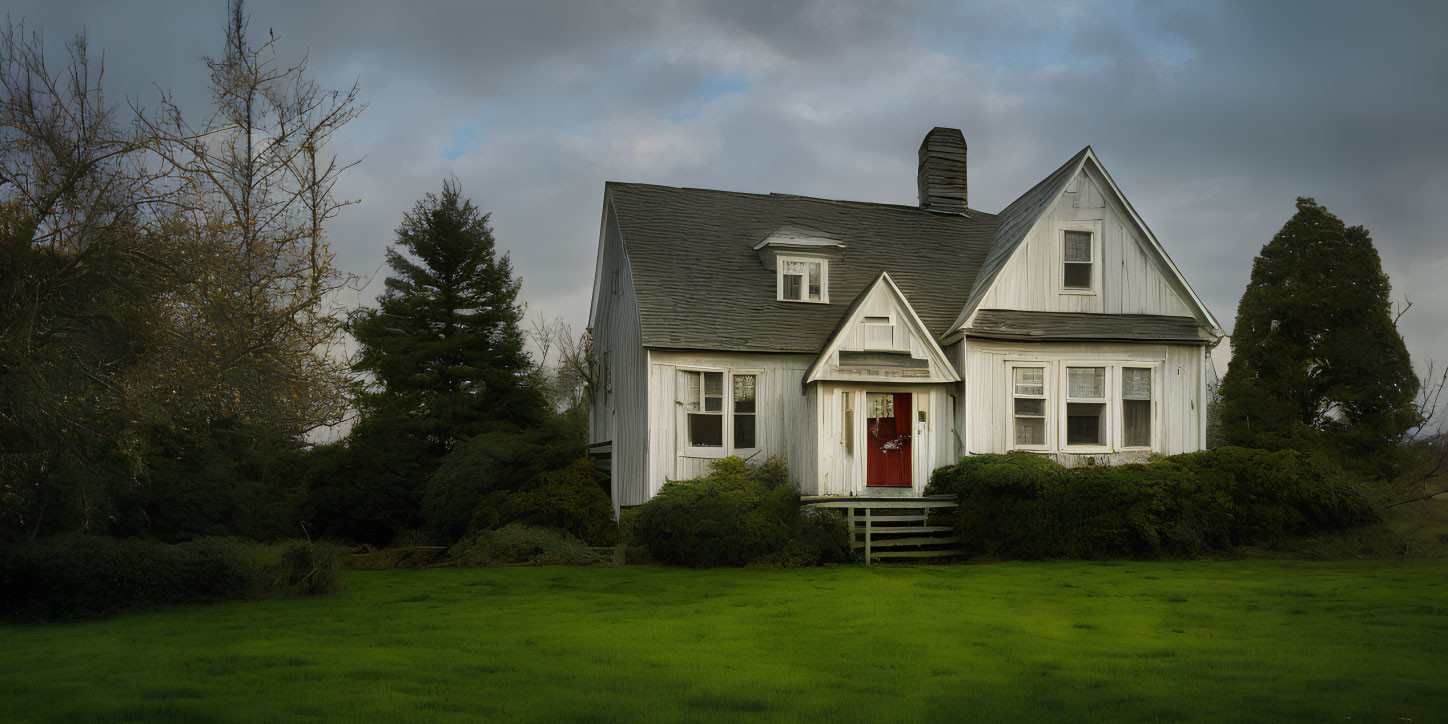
1037	326
700	284
935	355
1016	222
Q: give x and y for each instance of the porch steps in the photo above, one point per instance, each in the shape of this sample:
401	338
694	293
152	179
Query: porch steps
896	528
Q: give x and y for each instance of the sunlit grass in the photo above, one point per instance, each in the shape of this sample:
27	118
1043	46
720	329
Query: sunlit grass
1212	641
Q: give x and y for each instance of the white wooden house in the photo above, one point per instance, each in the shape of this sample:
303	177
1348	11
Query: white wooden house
869	344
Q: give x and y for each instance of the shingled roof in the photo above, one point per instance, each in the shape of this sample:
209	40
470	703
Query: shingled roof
1017	324
701	285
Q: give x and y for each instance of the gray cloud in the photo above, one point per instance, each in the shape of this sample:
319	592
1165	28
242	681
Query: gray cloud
1212	117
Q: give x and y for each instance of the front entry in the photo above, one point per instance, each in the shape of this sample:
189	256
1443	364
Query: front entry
887	439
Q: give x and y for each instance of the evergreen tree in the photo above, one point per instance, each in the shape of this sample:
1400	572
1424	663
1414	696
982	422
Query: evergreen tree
1317	361
444	348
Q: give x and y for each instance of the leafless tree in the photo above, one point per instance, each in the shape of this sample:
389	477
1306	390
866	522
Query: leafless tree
566	361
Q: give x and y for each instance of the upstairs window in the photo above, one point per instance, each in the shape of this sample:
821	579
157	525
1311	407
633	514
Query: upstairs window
803	280
879	332
1077	256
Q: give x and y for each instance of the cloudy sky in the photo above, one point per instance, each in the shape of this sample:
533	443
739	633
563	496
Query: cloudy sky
1213	117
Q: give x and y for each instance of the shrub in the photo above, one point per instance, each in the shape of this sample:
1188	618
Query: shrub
820	537
732	516
514	544
81	576
1024	506
308	569
571	499
494	461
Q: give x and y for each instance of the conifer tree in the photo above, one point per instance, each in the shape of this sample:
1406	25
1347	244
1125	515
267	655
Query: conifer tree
444	348
1317	361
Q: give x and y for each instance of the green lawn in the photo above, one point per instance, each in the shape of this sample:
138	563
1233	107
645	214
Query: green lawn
1211	641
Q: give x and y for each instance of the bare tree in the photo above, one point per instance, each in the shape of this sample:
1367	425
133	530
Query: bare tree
256	186
567	362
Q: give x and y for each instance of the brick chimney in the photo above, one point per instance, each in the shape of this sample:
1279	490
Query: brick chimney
941	178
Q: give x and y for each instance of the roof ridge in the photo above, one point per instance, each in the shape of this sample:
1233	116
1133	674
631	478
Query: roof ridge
801	197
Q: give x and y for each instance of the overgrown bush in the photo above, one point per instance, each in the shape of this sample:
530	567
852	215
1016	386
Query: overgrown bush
1021	505
308	569
78	576
504	459
734	515
820	537
571	499
515	544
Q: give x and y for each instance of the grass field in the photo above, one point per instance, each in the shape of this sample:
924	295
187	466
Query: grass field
1209	641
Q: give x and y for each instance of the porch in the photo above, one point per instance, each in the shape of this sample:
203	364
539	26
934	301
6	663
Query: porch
895	525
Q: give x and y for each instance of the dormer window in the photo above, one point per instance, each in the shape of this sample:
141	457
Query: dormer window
803	280
1078	258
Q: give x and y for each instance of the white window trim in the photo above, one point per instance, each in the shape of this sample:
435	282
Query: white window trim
1048	385
685	449
1097	263
1112	375
804	287
1119	423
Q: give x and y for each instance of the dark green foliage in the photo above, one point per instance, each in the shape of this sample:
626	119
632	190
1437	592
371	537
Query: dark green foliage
514	544
820	536
76	576
733	516
571	500
308	569
501	460
1024	506
443	347
367	488
1317	361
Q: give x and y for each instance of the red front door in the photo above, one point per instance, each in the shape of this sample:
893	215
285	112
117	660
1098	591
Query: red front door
887	439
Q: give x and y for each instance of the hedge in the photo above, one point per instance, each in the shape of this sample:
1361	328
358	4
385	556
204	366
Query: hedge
78	576
1021	505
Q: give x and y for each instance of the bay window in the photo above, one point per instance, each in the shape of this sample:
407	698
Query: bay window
1136	407
1028	406
1086	420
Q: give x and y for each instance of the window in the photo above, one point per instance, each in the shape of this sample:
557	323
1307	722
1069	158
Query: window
803	280
703	398
848	428
720	412
879	332
744	411
1136	407
1086	406
1077	256
1028	406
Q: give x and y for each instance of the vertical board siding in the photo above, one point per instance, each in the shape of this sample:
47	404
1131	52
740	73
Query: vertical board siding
783	421
1179	414
619	413
1130	280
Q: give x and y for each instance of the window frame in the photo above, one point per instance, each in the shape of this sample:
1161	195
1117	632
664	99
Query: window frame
1046	394
824	263
1108	416
685	446
1096	261
1154	368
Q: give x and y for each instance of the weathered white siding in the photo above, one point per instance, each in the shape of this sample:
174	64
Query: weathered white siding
1130	277
619	413
903	335
1178	413
783	423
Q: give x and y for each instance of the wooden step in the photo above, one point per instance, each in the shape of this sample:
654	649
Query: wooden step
916	554
919	541
906	529
888	518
